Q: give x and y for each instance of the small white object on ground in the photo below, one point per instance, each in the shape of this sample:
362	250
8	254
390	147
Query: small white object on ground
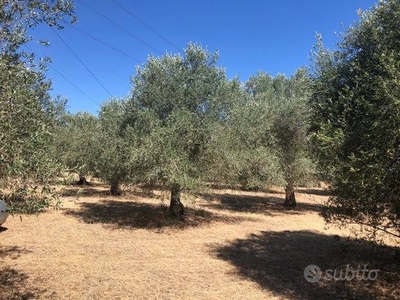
3	212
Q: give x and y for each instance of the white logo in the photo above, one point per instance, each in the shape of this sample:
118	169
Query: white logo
313	274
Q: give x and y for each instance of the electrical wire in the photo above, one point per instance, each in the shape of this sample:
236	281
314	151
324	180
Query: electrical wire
145	24
66	79
81	61
105	43
120	27
76	87
111	66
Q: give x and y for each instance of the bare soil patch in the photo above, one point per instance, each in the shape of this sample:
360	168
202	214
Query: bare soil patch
231	245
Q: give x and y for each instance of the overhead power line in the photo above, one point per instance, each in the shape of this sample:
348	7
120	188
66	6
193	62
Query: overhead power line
120	27
81	61
105	43
74	85
146	25
111	66
66	79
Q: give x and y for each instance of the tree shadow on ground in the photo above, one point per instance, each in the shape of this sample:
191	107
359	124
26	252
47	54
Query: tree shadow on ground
317	192
277	260
83	191
104	191
13	252
148	192
13	283
255	204
134	215
238	187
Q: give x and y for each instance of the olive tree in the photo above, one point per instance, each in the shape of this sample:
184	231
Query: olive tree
100	146
115	143
265	140
76	143
242	151
27	113
175	103
356	120
290	130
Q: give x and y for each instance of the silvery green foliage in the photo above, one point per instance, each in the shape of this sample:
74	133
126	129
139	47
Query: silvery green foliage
290	129
176	104
27	114
264	142
18	16
76	142
243	147
115	144
356	120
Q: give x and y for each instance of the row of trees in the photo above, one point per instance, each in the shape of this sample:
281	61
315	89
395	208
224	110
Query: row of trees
185	123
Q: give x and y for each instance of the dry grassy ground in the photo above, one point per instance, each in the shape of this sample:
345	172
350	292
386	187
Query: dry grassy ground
232	245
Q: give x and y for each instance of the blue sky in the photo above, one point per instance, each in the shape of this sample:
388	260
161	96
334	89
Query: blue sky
254	35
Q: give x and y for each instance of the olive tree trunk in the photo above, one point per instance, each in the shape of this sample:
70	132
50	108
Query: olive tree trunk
290	199
176	207
82	181
114	188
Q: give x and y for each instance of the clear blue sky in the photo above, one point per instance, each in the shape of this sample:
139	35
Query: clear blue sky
253	35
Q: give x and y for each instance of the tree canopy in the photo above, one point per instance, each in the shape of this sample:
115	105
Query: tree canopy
265	142
27	113
356	120
175	103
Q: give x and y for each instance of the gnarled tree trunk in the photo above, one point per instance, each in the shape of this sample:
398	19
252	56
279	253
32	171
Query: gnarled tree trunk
290	199
176	207
114	188
82	181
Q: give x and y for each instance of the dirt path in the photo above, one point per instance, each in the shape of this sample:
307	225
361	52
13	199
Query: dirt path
238	245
